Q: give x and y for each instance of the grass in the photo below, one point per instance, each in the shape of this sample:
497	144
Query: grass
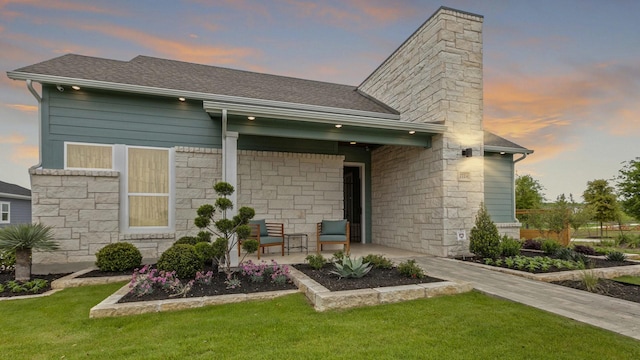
464	326
629	279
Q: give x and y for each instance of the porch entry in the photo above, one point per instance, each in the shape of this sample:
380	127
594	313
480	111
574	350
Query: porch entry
353	200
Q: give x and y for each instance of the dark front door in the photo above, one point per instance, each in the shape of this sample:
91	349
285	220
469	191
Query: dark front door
353	202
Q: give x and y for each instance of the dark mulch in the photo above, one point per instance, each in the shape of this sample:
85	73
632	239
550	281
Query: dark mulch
217	287
610	288
8	276
375	278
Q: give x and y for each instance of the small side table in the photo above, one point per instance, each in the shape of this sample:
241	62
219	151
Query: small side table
297	235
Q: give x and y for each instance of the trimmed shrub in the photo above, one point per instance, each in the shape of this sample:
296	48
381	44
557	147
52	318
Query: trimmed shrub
510	246
205	251
532	244
181	258
410	269
550	246
616	256
120	256
204	236
584	249
484	239
316	261
188	240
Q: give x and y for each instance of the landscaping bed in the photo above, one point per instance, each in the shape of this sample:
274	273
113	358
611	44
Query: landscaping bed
33	287
374	279
612	288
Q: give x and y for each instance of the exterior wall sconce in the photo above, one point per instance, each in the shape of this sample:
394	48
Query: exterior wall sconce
468	152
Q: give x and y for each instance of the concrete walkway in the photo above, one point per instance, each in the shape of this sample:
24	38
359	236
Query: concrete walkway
605	312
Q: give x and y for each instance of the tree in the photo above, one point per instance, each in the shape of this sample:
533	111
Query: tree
485	239
529	193
559	216
228	231
580	215
629	187
602	200
22	239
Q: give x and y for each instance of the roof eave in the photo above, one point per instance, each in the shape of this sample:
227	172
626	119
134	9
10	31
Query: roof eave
507	150
321	117
106	85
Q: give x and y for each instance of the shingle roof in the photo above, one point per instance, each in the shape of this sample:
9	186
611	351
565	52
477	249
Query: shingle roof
183	76
491	139
6	188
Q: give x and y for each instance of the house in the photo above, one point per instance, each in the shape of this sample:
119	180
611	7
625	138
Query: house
130	149
15	204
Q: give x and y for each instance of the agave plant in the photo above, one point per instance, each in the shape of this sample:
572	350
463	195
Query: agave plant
351	268
22	239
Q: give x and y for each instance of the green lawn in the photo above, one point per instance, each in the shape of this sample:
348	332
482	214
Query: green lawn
629	279
464	326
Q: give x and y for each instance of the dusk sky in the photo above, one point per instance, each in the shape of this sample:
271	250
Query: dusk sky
560	77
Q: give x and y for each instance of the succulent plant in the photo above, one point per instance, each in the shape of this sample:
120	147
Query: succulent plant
351	268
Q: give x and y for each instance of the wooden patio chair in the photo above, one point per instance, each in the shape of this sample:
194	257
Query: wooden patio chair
333	232
267	234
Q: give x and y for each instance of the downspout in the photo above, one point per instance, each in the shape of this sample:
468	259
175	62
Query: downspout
39	100
524	156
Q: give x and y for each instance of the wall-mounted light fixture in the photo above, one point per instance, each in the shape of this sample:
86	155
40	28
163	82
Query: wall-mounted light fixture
468	152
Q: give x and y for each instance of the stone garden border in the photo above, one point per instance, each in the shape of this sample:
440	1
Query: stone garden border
321	298
72	280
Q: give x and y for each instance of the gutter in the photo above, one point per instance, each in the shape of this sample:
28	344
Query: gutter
14	196
39	100
106	85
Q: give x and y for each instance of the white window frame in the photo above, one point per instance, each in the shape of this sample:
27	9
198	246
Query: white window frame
113	157
8	212
121	163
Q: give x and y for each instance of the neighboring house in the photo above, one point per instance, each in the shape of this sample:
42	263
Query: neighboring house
15	204
130	149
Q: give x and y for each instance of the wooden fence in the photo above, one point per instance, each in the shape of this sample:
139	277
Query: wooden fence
563	238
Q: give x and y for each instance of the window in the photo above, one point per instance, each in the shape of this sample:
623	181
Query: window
88	156
146	181
4	212
148	187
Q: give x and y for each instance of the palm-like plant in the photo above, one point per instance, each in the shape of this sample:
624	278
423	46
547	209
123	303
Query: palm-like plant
22	239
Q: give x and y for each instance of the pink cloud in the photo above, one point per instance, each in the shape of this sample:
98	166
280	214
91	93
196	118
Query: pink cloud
63	5
359	13
13	139
22	107
177	49
25	154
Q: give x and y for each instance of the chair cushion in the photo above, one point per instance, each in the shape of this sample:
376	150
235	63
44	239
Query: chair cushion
334	227
263	226
327	238
270	239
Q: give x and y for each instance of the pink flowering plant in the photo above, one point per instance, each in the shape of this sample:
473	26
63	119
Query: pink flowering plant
275	273
147	280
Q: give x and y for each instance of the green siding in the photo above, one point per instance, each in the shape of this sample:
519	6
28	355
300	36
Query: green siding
115	118
498	187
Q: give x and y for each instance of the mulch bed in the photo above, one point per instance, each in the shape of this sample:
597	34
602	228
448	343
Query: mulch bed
217	287
610	288
374	279
8	276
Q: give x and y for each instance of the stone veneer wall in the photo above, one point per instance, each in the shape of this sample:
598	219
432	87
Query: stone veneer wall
83	207
436	75
298	190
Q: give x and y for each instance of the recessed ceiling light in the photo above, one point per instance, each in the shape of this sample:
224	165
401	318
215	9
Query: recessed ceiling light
251	117
338	126
411	132
75	87
182	99
353	143
502	152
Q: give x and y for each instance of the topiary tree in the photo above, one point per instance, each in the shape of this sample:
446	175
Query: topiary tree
228	232
118	257
22	239
485	239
